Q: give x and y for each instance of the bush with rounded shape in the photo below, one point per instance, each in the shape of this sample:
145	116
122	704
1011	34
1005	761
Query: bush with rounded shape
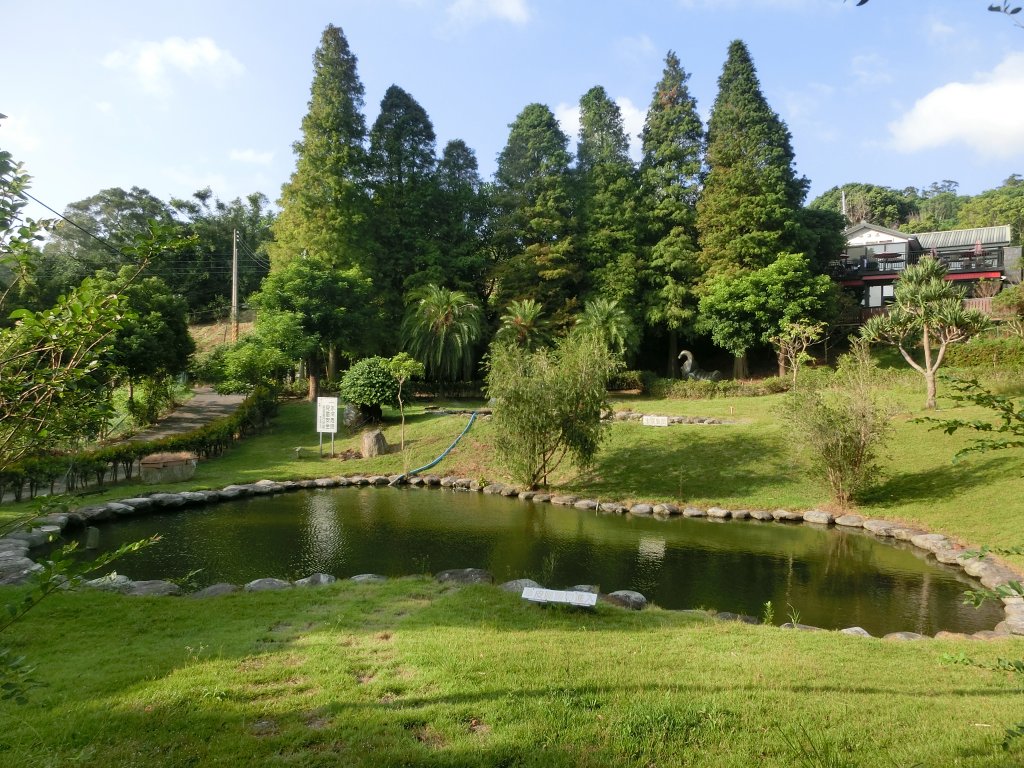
369	384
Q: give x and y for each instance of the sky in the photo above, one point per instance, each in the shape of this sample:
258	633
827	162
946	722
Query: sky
175	97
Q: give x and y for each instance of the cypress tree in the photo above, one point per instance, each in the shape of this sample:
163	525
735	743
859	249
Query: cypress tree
404	249
670	171
607	205
323	205
533	227
747	213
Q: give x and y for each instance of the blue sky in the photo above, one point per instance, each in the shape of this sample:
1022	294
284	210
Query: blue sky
177	96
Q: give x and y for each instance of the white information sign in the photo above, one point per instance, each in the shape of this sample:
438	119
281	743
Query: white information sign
655	421
327	414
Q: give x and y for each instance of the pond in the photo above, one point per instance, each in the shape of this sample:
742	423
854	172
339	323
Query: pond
832	578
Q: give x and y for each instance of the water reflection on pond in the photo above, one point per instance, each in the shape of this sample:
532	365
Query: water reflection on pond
832	577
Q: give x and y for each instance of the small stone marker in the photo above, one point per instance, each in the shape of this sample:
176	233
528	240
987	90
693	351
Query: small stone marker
655	421
565	597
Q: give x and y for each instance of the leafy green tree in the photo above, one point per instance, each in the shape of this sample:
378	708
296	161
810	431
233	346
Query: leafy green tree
744	310
99	233
607	204
264	357
324	203
605	320
523	324
440	330
405	251
533	226
926	316
880	205
403	367
370	384
333	306
462	208
201	274
152	341
548	405
670	171
1002	205
747	212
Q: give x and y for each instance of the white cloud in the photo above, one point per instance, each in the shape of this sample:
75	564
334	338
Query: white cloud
871	69
986	115
464	13
152	63
104	107
568	116
251	156
939	31
635	48
18	136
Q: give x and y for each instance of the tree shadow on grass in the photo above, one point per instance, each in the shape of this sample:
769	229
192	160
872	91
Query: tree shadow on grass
720	462
939	482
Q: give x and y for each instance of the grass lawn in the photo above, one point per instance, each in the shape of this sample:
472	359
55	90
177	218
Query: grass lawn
414	673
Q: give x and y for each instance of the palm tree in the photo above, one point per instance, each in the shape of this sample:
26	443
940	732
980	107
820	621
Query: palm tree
523	325
610	322
440	329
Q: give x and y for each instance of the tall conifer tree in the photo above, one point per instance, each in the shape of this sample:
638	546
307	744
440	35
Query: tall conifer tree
607	206
323	205
670	172
533	226
748	212
404	249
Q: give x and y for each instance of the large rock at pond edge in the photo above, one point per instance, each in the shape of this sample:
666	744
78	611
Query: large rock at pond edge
374	443
627	598
903	636
718	513
465	576
787	516
850	521
931	542
818	517
112	582
316	580
267	585
856	632
879	527
641	509
368	578
518	585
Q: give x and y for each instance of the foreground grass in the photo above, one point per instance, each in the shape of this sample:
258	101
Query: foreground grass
413	673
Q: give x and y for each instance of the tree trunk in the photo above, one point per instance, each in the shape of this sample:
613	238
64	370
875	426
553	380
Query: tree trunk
929	379
673	354
314	381
739	367
782	365
332	362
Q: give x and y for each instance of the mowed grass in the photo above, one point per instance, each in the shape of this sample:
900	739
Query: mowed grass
411	672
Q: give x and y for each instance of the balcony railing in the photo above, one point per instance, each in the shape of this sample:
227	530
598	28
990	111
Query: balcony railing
892	264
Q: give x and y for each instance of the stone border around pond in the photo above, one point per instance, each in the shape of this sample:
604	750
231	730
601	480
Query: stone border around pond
17	567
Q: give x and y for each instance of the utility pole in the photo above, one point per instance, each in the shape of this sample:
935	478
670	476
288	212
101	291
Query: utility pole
234	286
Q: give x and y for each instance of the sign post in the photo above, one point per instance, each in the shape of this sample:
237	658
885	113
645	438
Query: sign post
326	420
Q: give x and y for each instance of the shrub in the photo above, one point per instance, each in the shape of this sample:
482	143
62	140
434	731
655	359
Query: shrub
987	352
842	427
369	385
548	404
624	380
701	389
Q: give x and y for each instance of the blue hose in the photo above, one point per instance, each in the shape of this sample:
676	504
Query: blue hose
410	473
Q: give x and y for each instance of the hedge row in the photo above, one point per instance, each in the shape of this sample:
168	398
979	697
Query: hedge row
112	462
987	352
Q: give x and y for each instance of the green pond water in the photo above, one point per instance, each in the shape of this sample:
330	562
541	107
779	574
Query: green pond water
833	577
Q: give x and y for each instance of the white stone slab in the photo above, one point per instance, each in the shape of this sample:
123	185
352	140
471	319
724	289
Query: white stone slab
655	421
566	597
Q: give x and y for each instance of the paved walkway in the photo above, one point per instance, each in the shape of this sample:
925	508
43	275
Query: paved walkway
204	407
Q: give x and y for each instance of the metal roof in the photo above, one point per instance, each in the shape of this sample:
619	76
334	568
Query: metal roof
965	238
